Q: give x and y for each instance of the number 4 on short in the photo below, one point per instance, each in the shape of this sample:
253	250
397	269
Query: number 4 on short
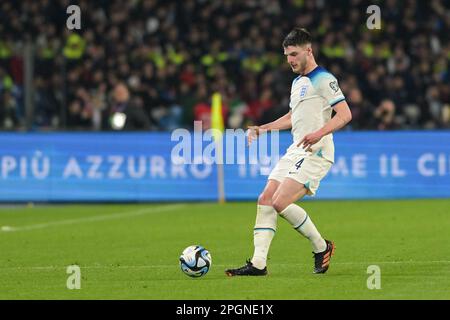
299	163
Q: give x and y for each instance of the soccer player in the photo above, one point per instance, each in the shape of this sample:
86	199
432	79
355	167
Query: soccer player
314	95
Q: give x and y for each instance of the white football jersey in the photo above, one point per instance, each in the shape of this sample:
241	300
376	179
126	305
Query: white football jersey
312	97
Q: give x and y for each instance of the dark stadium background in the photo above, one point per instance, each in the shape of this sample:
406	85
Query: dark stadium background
174	54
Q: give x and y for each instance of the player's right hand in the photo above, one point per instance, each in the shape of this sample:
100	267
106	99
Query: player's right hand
253	132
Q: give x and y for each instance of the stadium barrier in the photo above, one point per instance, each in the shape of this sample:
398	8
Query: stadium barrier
141	167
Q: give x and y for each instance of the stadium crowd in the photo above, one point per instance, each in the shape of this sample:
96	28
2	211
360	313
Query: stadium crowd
172	55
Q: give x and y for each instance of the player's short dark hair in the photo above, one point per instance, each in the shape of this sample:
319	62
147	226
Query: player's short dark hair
297	37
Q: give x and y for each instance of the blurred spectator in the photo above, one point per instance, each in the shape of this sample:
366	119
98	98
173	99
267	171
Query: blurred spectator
362	110
127	113
202	110
8	111
77	116
46	108
173	54
384	116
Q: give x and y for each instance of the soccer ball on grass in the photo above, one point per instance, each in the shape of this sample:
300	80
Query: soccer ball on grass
195	261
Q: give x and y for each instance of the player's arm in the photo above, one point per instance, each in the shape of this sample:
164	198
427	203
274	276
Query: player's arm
341	118
281	123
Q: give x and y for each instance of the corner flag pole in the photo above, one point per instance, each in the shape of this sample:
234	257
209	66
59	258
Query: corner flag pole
218	127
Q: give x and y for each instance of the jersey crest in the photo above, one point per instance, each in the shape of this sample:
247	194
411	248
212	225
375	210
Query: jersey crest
303	91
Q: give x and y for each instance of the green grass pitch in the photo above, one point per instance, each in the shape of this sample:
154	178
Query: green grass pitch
131	251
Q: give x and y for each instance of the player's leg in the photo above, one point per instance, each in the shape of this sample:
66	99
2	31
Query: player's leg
265	225
283	202
304	178
263	233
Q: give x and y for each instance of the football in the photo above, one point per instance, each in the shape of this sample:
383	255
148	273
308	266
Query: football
195	261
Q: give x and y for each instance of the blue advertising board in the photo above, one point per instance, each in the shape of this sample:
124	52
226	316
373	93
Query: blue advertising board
141	167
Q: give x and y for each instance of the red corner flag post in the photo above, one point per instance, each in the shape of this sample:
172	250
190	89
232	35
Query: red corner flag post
217	126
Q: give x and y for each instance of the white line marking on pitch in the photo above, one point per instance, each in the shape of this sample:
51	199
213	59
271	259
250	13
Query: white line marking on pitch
92	219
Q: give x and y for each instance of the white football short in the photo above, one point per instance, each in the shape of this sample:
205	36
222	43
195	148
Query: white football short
307	169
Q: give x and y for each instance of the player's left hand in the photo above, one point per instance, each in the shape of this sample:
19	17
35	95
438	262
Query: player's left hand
309	140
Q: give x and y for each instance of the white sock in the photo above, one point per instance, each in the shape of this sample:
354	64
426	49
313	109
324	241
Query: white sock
301	222
265	228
